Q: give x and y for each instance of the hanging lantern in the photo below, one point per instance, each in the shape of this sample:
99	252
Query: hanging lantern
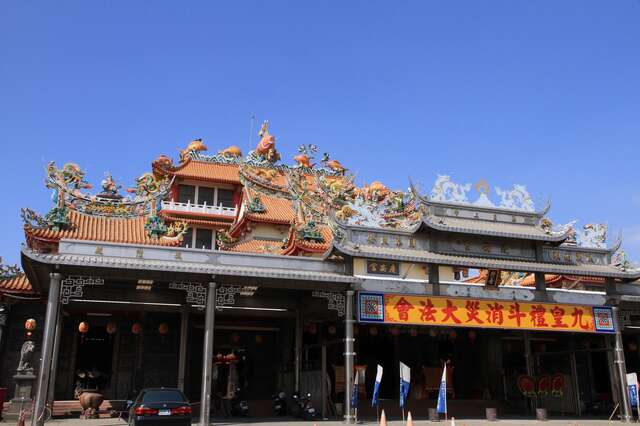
472	335
332	329
633	346
163	328
394	331
83	327
259	339
136	328
356	330
235	338
373	330
30	324
413	331
112	327
453	335
312	328
433	332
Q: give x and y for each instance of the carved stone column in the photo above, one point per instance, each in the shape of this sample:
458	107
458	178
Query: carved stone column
207	355
53	305
349	355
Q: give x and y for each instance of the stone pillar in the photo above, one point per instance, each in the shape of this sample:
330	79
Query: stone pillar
349	355
182	353
4	315
298	350
621	369
51	384
434	278
53	305
207	356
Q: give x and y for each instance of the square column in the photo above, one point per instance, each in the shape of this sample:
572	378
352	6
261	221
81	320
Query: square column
182	355
349	355
53	306
207	356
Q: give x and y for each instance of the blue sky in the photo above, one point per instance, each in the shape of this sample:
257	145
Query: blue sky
543	93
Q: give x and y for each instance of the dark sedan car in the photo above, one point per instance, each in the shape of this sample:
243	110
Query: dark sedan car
160	407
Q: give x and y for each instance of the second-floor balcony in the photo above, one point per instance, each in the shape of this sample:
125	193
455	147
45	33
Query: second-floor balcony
198	208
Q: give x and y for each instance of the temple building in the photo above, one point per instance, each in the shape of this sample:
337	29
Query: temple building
226	274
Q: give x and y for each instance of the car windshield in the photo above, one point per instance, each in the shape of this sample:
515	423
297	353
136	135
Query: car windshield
163	396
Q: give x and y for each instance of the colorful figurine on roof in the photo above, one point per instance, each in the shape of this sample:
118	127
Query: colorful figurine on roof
265	152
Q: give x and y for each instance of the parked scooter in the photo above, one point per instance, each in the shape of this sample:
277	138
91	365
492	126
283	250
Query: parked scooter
280	404
303	407
239	406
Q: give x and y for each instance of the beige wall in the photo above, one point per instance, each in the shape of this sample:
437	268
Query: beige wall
269	231
414	271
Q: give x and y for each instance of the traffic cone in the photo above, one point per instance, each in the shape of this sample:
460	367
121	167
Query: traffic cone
409	420
383	419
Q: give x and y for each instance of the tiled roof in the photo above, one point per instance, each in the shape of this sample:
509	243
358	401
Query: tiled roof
483	227
99	228
200	219
18	284
258	246
277	209
530	280
200	170
423	256
296	244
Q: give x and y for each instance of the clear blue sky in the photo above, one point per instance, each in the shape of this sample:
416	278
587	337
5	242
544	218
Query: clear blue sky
543	93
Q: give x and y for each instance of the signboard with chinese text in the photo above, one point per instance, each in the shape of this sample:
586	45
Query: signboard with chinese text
505	314
383	267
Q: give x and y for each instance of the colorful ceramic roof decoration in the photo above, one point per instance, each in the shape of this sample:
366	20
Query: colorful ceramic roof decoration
313	207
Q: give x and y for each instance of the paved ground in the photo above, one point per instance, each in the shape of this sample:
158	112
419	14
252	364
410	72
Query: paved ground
568	422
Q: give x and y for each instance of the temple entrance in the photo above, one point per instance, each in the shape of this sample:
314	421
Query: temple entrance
94	359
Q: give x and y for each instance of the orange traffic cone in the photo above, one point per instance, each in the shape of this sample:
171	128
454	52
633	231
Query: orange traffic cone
409	420
383	419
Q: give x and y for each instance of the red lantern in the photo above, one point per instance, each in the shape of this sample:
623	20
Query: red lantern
394	331
373	330
332	329
356	330
312	328
163	328
112	327
136	328
259	339
413	332
235	338
472	335
83	327
30	324
453	335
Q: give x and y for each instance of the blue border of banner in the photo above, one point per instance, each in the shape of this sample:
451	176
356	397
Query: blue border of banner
609	311
360	298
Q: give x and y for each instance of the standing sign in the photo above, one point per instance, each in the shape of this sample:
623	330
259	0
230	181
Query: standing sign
632	385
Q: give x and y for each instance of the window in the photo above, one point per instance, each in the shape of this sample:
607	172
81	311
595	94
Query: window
206	195
225	197
204	238
164	395
186	194
187	239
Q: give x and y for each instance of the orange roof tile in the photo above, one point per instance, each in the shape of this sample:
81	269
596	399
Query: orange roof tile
99	228
201	170
258	246
18	284
530	280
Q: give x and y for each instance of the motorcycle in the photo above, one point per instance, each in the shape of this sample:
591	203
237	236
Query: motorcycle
239	406
280	404
303	407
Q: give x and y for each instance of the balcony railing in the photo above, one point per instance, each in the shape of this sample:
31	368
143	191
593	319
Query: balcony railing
198	208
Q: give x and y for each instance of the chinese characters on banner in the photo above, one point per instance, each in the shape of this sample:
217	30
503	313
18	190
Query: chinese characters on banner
507	314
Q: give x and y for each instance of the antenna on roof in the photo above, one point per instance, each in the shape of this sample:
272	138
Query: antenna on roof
252	125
